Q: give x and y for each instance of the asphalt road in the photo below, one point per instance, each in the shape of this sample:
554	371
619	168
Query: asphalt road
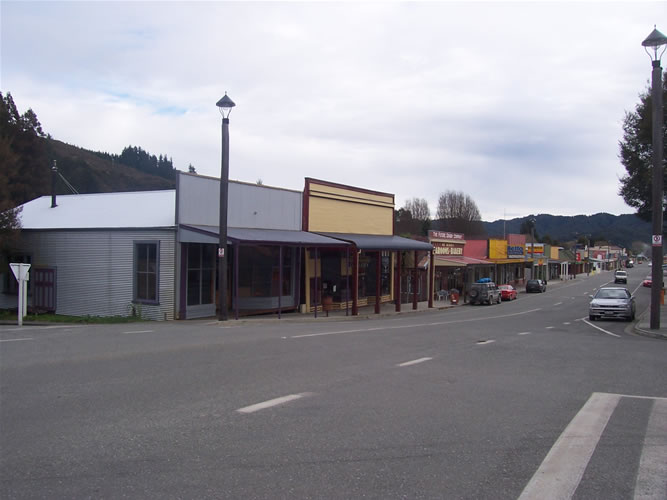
526	399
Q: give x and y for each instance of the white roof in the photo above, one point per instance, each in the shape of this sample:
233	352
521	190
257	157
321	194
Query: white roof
102	210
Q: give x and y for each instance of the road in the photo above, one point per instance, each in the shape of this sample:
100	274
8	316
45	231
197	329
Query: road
526	399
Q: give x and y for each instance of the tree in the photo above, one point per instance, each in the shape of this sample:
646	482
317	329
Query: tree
636	151
192	169
528	227
457	205
418	208
457	212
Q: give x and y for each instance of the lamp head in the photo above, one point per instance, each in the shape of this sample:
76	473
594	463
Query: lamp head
653	43
225	106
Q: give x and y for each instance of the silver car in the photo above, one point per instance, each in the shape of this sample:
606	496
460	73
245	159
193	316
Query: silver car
612	302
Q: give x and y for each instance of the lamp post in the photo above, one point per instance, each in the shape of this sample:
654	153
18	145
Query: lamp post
225	106
652	45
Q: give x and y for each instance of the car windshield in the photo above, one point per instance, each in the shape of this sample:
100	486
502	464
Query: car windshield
612	293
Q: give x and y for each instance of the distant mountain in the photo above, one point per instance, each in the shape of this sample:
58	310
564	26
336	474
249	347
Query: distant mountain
621	230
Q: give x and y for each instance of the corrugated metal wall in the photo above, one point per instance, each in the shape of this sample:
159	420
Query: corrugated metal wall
95	270
249	205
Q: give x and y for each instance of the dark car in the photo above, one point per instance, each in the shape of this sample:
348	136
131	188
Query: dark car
536	286
612	302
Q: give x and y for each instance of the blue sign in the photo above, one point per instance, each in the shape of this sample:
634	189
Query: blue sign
514	250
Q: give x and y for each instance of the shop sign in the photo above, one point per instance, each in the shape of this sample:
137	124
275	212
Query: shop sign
440	248
538	248
514	251
445	235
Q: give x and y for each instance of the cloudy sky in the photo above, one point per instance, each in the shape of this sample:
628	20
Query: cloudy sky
517	104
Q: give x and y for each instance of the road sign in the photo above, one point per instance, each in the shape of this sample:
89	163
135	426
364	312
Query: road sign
657	240
22	275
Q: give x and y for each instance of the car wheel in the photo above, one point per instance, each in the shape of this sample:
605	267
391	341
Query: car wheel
500	299
591	317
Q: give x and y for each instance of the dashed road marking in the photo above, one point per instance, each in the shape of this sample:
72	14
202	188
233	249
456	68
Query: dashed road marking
138	331
414	362
273	402
524	333
550	327
484	342
16	340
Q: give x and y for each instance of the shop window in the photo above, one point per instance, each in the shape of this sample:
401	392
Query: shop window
146	271
201	274
259	271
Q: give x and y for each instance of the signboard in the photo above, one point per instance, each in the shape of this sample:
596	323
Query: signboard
578	257
538	248
445	235
22	275
440	248
221	252
515	251
657	240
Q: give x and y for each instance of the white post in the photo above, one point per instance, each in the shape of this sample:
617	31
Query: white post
22	276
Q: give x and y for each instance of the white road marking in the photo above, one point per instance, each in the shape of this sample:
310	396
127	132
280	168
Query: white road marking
16	340
550	327
601	329
415	325
273	402
138	331
562	469
566	323
50	327
414	361
652	474
557	303
524	333
484	342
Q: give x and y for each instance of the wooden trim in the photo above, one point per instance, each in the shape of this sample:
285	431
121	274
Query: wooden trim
310	180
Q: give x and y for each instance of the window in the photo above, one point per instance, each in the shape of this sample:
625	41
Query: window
201	274
146	267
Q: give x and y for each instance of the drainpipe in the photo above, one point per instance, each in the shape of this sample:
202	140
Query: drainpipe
54	176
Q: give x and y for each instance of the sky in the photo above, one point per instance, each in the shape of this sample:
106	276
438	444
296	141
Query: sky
519	105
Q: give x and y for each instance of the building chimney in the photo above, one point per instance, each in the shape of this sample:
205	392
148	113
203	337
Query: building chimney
54	176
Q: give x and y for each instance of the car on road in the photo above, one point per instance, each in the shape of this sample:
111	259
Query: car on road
507	292
648	281
484	293
621	277
612	302
536	286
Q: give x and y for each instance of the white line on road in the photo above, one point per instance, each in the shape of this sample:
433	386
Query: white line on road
563	467
566	323
484	342
524	333
652	474
550	327
414	361
557	303
415	325
601	329
138	331
15	340
273	402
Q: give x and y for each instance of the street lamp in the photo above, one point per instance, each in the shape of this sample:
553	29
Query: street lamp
652	45
225	106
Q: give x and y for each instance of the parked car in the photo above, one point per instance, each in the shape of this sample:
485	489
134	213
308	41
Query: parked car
612	302
486	292
648	281
621	277
507	292
536	286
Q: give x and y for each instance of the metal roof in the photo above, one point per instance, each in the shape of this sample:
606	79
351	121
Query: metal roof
209	234
136	209
380	242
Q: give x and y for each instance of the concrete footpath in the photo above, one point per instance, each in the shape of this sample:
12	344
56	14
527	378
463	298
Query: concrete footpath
641	326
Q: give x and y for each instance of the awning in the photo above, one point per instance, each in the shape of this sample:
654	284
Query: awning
380	242
210	234
507	261
460	261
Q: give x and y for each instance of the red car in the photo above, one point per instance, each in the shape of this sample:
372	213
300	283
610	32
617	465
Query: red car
648	282
507	292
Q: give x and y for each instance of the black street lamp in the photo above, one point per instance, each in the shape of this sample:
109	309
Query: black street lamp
652	46
225	106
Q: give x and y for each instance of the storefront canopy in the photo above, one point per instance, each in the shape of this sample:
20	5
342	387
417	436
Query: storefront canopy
460	261
210	234
380	242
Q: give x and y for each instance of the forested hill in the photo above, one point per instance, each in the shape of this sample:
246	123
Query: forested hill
621	230
27	155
